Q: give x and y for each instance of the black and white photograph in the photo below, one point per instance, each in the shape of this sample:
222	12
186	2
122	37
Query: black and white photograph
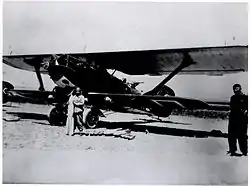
125	92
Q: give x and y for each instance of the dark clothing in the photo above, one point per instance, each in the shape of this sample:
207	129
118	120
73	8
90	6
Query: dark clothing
78	121
238	121
238	104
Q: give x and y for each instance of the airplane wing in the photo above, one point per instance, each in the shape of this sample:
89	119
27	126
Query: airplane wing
209	60
30	96
175	102
26	62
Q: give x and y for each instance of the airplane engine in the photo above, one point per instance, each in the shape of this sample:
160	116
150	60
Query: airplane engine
6	86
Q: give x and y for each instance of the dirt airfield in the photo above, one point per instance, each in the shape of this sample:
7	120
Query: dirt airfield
178	150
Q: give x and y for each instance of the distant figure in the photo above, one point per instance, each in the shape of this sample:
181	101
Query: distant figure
238	123
75	112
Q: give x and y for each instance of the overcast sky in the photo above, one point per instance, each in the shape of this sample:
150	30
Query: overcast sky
47	27
52	27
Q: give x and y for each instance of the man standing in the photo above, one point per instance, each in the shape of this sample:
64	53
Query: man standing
75	112
237	127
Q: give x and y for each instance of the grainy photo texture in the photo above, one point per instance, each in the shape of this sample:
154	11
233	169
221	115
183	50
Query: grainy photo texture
125	93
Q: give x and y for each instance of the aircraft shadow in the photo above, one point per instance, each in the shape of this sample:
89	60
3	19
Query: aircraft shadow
157	121
26	115
135	127
41	123
163	130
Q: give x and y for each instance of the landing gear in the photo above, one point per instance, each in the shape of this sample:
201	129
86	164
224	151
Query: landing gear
6	95
163	90
91	118
162	112
166	91
168	108
57	116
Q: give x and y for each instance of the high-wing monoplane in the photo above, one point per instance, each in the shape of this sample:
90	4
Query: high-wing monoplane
104	91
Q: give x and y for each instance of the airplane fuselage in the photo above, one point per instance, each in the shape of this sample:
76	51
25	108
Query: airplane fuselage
92	79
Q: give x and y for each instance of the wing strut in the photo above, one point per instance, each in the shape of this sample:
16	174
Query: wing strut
187	61
39	77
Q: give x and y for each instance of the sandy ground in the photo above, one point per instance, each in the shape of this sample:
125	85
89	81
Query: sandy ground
178	150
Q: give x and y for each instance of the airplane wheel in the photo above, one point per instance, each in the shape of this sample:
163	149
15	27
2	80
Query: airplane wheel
166	91
91	118
56	117
6	86
162	112
168	112
5	95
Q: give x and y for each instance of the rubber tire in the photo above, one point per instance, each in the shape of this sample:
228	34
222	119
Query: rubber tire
6	86
166	91
56	118
90	118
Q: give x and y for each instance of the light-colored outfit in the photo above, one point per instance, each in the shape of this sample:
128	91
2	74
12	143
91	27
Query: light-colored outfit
75	113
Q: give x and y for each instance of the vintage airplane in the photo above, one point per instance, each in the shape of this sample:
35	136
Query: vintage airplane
104	91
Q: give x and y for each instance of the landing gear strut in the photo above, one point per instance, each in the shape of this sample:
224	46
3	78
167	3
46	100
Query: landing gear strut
163	90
